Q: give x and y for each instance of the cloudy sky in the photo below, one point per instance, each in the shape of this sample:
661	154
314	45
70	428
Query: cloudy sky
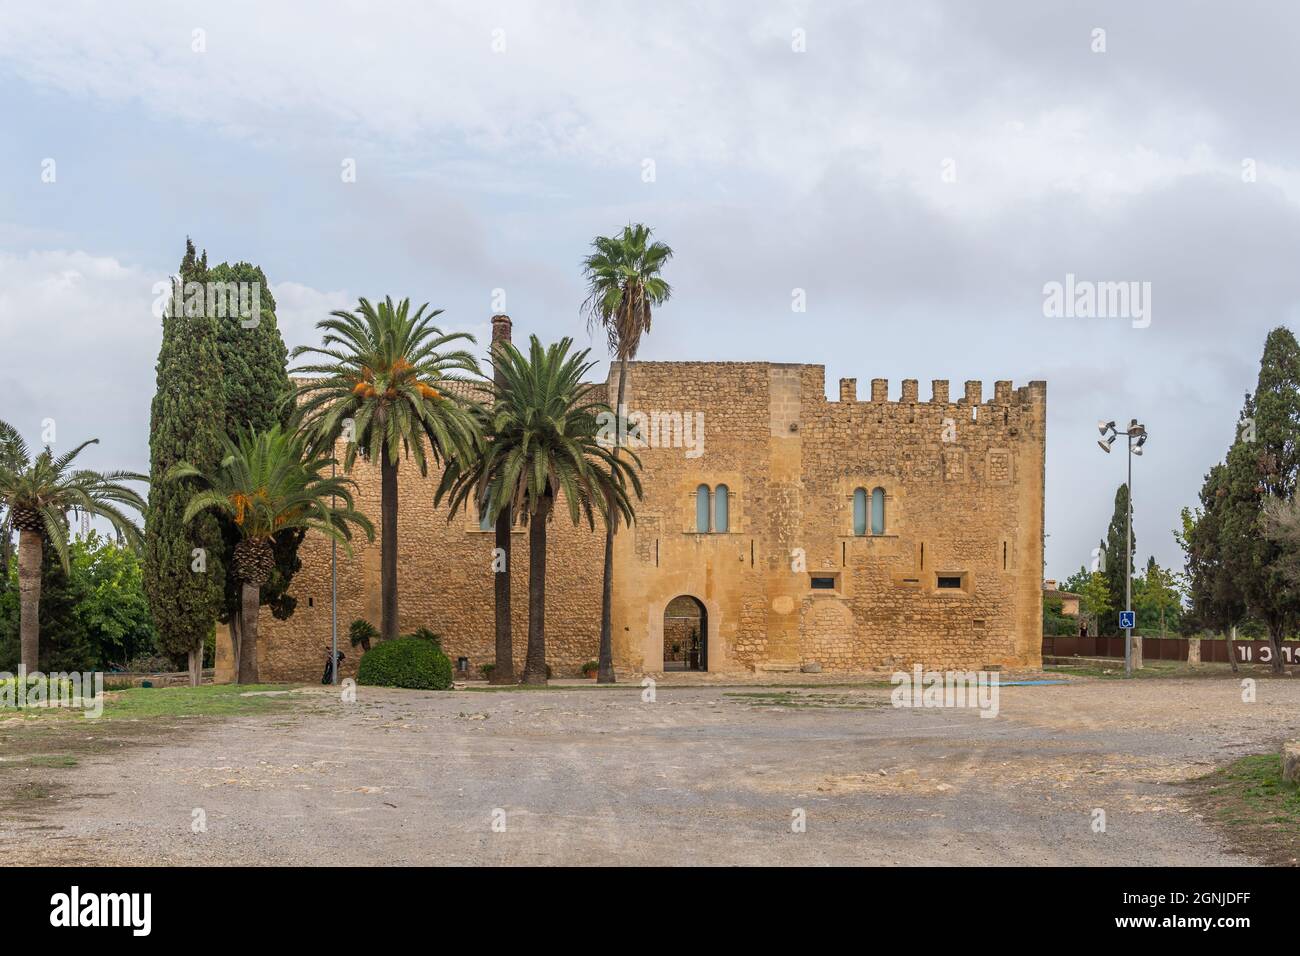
920	169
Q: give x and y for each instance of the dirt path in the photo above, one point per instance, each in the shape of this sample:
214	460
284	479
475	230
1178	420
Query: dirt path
702	775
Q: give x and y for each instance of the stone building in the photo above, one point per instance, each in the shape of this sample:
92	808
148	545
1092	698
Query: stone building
779	530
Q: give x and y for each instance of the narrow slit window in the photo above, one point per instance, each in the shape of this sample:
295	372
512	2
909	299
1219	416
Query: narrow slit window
702	509
949	582
878	511
823	584
721	507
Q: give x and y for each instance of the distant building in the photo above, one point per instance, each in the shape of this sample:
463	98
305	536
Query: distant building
1069	602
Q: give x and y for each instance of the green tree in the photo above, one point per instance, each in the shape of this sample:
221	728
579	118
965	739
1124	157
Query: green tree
1115	570
1157	598
1264	463
94	616
184	566
255	383
1095	600
1075	582
39	492
624	285
545	448
1217	603
381	384
267	483
1055	622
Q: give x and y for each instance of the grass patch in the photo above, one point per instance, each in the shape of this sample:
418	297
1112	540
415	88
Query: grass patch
1249	802
141	703
1154	670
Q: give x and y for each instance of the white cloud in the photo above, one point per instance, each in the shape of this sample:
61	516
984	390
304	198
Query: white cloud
896	91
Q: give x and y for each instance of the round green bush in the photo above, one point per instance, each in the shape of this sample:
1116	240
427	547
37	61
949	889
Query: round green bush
405	662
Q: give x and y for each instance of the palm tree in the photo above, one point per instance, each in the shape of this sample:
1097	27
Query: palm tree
544	445
383	370
623	285
39	492
267	483
362	632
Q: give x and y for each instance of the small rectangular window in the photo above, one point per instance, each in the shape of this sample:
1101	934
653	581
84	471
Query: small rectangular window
949	581
823	584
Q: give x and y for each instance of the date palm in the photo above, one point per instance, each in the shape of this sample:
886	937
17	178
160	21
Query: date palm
623	287
543	447
38	494
380	383
269	482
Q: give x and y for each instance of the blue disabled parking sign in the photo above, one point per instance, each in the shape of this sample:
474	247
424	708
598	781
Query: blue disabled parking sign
1126	619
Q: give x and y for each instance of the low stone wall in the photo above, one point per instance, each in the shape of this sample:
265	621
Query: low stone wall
114	680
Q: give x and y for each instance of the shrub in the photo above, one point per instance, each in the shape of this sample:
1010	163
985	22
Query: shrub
591	667
487	669
424	634
411	662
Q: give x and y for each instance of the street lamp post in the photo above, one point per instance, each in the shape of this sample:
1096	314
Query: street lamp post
1109	433
334	599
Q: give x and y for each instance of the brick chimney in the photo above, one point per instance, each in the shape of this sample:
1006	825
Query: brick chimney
500	333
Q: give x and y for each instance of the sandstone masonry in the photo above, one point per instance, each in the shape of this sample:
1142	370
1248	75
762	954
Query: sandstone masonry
952	579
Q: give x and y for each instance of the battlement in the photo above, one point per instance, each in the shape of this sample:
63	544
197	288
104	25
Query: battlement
1003	393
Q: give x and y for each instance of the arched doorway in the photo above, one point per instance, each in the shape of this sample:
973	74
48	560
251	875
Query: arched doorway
686	635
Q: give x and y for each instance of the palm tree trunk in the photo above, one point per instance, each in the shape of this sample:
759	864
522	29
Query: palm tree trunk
388	546
606	673
234	644
535	665
504	672
250	596
31	549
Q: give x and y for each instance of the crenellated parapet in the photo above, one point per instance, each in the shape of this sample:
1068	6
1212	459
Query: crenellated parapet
1004	393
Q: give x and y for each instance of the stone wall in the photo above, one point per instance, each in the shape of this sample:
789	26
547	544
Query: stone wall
963	482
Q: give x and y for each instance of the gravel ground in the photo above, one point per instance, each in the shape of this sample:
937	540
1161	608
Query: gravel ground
704	775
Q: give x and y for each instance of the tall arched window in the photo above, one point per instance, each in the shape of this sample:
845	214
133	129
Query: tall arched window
878	511
702	509
860	511
721	520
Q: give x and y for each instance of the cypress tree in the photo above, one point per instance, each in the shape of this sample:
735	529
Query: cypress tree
255	386
1263	464
185	424
1115	543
